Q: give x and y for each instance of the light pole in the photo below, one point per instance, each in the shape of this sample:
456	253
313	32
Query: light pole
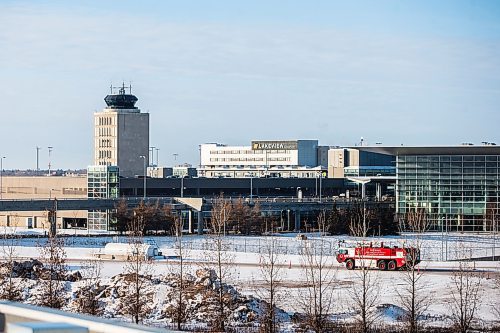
144	194
1	176
251	187
152	160
442	238
182	186
37	159
320	180
267	165
50	151
446	240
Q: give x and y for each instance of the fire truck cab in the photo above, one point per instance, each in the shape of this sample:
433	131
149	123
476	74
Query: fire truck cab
378	256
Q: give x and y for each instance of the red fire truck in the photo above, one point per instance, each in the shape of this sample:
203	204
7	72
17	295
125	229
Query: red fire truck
381	256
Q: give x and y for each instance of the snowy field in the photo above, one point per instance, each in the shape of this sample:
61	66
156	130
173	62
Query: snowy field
435	246
247	277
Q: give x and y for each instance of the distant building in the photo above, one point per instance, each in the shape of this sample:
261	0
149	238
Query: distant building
121	135
184	171
159	172
353	162
179	171
33	188
285	158
322	159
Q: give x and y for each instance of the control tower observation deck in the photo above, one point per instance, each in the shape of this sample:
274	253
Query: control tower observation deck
121	101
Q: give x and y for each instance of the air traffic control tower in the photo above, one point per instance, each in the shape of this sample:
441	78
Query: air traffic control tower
121	134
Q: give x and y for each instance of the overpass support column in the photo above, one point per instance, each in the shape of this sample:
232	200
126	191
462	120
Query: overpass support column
200	223
190	221
297	221
378	191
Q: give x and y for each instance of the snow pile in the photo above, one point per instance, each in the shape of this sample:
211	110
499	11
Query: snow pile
162	294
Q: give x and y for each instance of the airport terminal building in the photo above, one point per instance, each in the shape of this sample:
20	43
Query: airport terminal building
458	186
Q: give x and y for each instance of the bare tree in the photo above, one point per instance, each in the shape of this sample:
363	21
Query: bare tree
53	275
466	295
254	221
220	260
168	218
240	215
359	220
9	289
138	267
496	307
316	299
179	270
271	264
87	296
121	216
413	297
365	289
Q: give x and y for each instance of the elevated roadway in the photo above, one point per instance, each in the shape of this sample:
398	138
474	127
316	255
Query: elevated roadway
266	204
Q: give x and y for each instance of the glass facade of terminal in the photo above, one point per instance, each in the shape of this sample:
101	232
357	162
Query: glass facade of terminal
103	183
369	171
458	192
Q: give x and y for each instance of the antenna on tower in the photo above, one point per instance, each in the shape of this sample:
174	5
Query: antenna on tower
122	89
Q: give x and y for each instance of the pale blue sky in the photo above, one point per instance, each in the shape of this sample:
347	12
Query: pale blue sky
422	72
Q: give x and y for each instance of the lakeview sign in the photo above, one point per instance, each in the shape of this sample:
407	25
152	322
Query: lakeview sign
274	145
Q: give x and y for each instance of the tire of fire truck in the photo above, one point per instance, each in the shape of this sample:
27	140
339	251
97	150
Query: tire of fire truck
382	265
391	265
349	264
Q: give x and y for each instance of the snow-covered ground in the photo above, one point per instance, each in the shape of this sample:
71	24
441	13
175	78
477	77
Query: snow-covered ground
246	251
434	246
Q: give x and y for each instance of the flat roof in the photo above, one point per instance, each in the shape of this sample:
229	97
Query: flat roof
431	150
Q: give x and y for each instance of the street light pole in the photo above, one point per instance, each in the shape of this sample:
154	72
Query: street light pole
320	180
144	194
442	238
182	187
251	187
50	151
37	159
316	186
152	160
446	239
1	176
